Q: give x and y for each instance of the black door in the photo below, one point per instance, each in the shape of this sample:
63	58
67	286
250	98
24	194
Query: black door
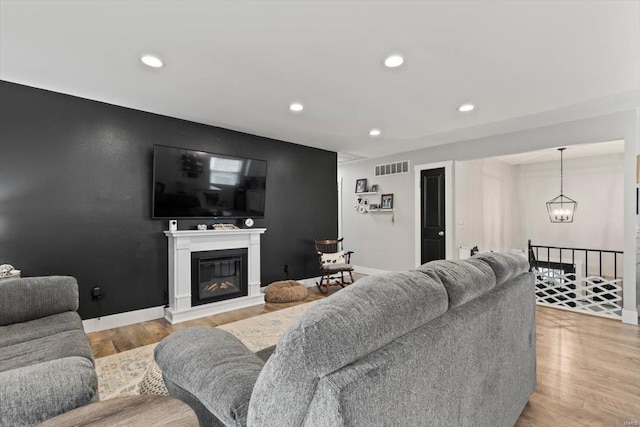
432	214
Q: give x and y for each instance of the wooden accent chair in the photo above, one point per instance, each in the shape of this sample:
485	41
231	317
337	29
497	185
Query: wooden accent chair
334	263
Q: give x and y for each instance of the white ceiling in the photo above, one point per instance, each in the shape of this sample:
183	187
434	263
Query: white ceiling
571	152
239	64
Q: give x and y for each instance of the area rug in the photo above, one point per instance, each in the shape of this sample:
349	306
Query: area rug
120	374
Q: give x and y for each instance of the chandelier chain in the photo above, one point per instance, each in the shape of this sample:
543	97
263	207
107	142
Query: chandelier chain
561	173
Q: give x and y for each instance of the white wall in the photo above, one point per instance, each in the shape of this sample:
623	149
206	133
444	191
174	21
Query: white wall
596	183
378	242
382	245
483	204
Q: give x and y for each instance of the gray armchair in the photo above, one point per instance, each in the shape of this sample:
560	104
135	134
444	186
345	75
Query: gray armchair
46	363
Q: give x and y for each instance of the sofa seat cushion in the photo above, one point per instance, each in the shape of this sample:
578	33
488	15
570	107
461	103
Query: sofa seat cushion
463	280
35	393
26	331
51	347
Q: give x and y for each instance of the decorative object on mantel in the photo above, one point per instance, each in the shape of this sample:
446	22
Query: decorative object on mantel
224	227
202	226
561	208
7	271
374	188
173	225
361	185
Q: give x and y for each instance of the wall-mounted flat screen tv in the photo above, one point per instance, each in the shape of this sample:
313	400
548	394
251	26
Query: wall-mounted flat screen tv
197	184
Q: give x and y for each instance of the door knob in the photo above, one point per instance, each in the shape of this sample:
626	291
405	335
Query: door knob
441	233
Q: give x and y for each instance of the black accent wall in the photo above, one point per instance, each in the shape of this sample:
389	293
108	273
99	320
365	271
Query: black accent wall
75	195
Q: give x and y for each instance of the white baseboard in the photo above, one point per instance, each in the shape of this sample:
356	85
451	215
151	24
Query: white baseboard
153	313
369	271
122	319
630	317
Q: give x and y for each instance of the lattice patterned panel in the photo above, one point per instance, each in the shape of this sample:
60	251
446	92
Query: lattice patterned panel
593	295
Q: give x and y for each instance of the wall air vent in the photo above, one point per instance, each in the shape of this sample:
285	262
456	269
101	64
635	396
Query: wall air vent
394	168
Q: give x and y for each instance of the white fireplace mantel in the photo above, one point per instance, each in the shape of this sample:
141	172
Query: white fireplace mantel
183	243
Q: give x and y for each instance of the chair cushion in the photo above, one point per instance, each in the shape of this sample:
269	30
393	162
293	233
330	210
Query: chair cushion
35	393
337	267
39	328
332	258
29	298
51	347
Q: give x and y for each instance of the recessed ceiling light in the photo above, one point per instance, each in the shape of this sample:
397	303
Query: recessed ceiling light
394	61
296	107
152	61
374	132
466	108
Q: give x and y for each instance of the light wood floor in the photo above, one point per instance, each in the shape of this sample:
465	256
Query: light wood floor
588	372
116	340
588	367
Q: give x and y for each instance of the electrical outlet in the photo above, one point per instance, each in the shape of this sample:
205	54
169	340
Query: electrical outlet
96	293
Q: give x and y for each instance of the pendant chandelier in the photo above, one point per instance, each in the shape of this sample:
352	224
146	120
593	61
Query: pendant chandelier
561	208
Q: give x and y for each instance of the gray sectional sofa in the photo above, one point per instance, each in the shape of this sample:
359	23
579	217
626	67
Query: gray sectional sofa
450	343
46	363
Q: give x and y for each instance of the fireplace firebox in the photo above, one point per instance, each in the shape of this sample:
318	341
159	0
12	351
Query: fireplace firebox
218	275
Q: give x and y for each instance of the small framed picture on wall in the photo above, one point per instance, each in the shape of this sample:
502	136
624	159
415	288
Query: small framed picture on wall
361	185
374	188
386	201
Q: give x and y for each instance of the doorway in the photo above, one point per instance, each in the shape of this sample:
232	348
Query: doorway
434	212
432	217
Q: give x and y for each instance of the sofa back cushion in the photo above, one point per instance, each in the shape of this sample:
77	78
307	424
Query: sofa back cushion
463	280
337	331
505	266
468	279
24	299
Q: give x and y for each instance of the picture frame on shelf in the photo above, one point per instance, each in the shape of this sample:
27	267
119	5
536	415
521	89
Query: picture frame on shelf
374	188
386	201
361	185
